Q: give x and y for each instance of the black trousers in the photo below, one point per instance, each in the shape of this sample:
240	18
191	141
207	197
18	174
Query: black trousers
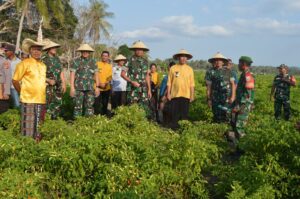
101	103
180	110
118	98
4	105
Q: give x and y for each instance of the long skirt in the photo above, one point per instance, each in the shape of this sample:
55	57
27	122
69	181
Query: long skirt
32	115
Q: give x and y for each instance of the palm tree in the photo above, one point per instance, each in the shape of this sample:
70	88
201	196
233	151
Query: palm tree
95	21
44	8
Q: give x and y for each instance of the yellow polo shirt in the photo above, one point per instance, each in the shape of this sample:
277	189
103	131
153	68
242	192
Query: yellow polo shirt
32	74
155	78
180	80
105	74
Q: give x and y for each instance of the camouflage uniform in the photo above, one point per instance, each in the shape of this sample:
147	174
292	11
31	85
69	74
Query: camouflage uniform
53	93
221	91
137	70
243	103
282	95
84	70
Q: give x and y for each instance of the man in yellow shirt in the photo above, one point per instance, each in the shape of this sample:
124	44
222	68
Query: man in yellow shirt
181	88
32	73
105	78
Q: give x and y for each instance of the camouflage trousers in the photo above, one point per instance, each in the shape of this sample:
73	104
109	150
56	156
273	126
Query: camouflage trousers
278	104
54	103
140	96
84	102
219	114
240	119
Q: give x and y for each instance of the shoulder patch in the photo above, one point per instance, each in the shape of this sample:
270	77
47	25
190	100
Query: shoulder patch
249	81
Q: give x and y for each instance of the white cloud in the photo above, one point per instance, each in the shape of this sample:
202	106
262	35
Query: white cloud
268	26
151	33
185	25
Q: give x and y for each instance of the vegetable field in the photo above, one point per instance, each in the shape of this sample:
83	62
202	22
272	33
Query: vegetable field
129	157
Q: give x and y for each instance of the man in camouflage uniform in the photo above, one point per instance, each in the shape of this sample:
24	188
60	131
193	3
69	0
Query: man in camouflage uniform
281	88
137	74
54	75
220	84
244	99
83	77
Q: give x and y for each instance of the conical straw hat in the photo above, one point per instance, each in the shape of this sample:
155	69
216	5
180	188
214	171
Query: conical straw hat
183	52
50	44
85	47
139	45
28	43
120	57
218	56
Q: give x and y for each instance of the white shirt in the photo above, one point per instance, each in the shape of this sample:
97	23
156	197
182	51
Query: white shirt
118	83
13	65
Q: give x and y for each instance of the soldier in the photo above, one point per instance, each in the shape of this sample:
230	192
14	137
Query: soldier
244	99
30	80
55	76
138	77
83	76
220	84
181	88
281	88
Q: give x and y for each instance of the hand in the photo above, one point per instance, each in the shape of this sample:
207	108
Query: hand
51	82
192	99
97	92
72	92
135	84
168	97
231	100
63	88
209	103
149	94
6	65
5	97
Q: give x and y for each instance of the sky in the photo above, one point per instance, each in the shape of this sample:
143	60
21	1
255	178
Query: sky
266	30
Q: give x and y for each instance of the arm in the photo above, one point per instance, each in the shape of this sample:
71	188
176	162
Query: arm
124	76
272	92
17	85
233	90
72	84
208	93
97	90
148	81
63	81
169	85
7	83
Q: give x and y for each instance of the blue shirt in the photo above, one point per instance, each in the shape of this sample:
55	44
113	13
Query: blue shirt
163	86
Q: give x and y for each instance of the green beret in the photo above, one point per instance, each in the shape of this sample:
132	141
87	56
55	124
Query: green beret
283	66
246	59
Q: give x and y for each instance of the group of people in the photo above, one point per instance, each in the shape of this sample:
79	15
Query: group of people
40	82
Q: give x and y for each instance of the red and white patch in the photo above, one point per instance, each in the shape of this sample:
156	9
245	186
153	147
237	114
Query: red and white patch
249	81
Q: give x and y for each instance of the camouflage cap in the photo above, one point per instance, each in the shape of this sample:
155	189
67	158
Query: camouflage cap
283	66
246	59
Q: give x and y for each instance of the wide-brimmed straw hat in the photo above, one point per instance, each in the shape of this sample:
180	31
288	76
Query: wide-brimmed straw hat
28	43
119	58
218	56
183	52
49	44
139	45
85	47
